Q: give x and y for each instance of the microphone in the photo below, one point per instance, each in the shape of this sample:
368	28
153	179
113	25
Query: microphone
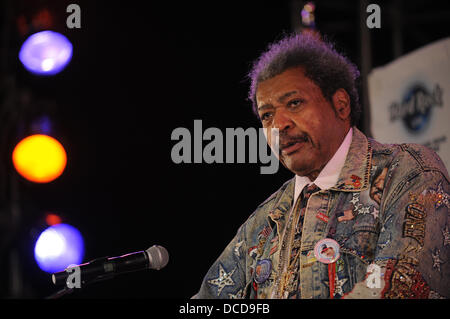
156	257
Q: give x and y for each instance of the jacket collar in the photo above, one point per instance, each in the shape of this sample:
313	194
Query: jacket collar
354	177
330	173
282	205
355	174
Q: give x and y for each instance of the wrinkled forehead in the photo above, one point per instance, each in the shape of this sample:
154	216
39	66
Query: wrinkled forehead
292	80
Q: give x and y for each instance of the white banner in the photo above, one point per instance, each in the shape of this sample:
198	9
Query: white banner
410	99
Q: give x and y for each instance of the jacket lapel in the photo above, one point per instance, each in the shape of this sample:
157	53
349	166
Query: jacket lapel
355	174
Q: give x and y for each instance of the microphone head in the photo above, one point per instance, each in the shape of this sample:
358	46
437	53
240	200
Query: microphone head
158	257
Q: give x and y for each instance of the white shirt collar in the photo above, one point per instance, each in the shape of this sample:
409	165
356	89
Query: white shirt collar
329	175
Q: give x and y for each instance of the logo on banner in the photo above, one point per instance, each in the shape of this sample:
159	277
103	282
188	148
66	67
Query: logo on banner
416	107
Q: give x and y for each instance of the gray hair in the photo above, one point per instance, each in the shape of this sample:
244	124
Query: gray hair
327	68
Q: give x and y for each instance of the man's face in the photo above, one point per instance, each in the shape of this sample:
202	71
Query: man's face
329	252
310	132
376	190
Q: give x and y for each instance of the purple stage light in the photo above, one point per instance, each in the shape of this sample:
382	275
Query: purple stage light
46	53
58	247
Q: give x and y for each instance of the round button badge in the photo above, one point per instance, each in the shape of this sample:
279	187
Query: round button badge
327	250
263	270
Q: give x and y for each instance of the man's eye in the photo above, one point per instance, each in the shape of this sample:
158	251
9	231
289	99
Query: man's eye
266	116
295	102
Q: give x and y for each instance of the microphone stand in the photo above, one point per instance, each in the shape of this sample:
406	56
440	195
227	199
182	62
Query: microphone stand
60	293
66	290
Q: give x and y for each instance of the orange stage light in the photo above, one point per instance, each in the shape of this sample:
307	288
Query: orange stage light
39	158
52	219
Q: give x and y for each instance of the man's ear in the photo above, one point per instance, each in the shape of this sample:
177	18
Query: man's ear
341	104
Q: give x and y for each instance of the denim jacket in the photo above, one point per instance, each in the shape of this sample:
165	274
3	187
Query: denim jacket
389	214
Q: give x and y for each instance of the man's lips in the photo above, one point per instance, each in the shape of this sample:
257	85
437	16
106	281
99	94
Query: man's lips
292	146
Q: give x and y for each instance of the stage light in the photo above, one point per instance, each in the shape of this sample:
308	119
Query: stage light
308	14
46	53
52	219
39	158
58	247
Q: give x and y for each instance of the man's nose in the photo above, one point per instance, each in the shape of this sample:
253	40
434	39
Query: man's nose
282	120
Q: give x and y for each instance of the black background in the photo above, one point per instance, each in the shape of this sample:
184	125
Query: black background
140	69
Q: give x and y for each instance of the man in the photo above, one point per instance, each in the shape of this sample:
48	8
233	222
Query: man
328	252
376	190
380	205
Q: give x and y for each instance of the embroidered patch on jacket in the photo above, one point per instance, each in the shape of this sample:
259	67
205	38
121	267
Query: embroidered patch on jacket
339	282
402	280
432	197
346	215
265	232
274	243
441	198
436	260
446	236
252	251
238	295
353	182
414	225
224	279
323	217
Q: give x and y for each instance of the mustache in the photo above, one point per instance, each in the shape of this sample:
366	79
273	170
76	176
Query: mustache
288	140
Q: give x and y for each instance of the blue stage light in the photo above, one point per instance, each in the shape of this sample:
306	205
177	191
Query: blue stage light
46	53
58	247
